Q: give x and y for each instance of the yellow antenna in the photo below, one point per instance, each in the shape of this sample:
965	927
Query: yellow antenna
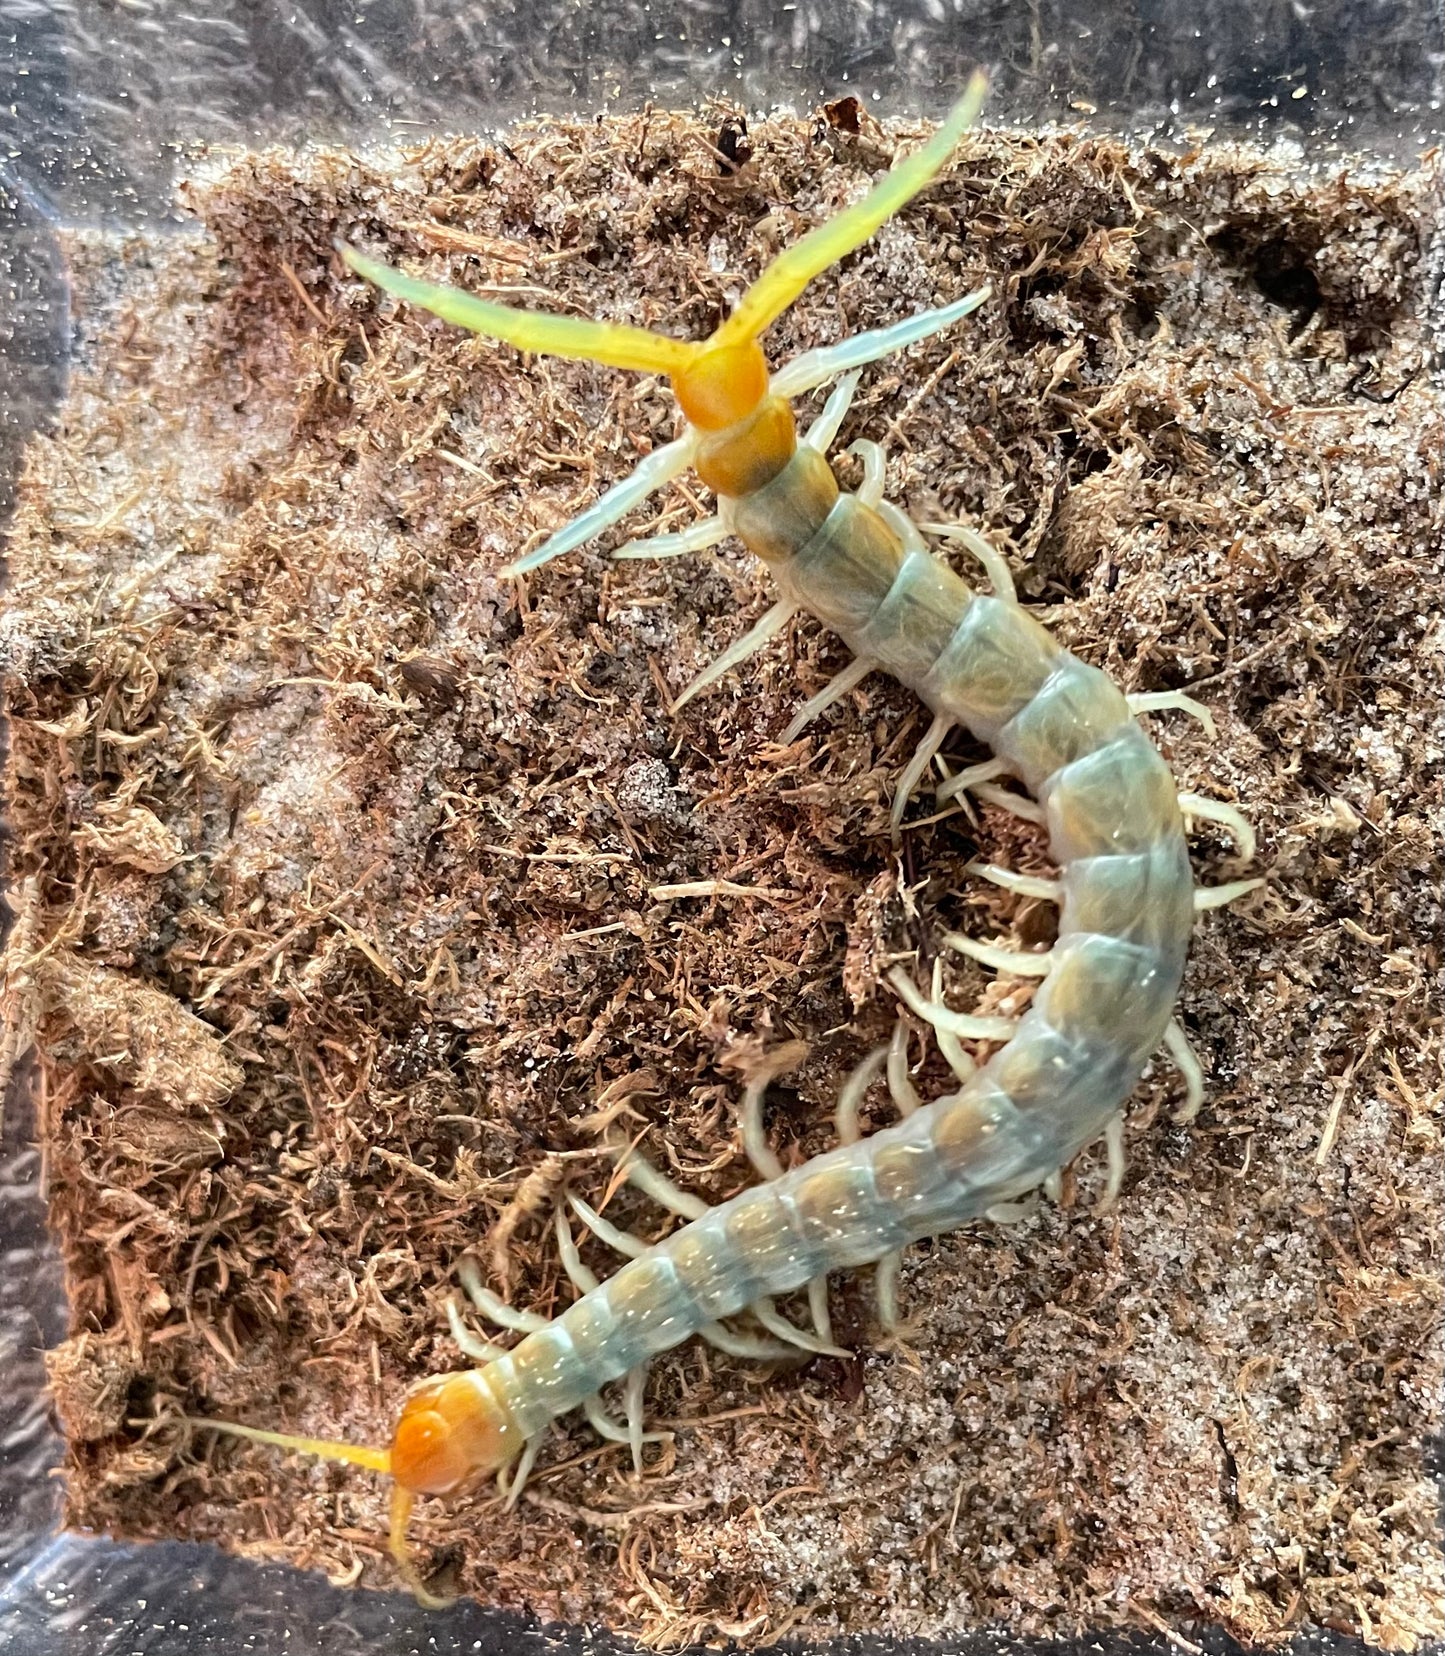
792	270
354	1454
612	344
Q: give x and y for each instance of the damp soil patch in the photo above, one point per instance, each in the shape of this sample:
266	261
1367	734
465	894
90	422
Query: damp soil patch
363	894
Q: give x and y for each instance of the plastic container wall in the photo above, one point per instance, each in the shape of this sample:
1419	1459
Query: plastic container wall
102	102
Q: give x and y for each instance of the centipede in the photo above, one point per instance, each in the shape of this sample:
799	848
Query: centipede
1033	1090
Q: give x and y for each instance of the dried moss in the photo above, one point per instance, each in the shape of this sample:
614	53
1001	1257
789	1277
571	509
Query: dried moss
341	861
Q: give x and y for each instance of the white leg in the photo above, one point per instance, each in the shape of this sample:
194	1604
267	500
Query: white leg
954	1055
902	525
900	1083
851	1094
818	1308
1159	701
748	1346
511	1484
1213	897
815	368
495	1310
1000	959
1011	1213
750	643
885	1287
660	1188
942	1017
933	739
839	685
875	469
660	467
995	566
478	1349
1114	1148
760	1153
824	429
1215	810
633	1388
1189	1067
989	771
624	1242
1026	885
582	1277
606	1427
764	1311
698	538
1028	809
1053	1186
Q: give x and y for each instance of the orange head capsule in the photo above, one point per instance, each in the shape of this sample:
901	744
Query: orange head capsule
452	1429
719	387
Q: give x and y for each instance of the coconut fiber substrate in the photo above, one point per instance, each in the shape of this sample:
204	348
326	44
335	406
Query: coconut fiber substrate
364	897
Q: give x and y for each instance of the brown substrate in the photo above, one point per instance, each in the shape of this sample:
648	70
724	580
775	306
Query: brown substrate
340	861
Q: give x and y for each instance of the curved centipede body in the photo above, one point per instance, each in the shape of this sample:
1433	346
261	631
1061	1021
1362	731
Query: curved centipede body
1116	827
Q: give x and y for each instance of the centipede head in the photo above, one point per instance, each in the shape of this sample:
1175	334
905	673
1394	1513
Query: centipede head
452	1431
723	379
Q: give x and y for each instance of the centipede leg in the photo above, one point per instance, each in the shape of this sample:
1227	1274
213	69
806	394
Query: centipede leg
581	1276
988	771
1213	897
660	467
512	1485
696	538
1025	885
1010	1213
755	1141
624	1242
633	1389
949	1045
472	1345
1227	816
606	1427
772	623
933	739
1019	804
1188	1065
818	1308
875	468
943	1017
850	1095
885	1288
656	1184
900	1083
1116	1161
1002	959
747	1346
836	687
824	429
1159	701
814	368
995	565
764	1310
902	525
492	1308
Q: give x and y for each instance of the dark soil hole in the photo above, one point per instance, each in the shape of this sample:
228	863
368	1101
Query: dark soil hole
1285	277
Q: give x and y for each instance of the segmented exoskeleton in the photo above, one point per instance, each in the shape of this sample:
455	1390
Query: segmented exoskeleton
1116	829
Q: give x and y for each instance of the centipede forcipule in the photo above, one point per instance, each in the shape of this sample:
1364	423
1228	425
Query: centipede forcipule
1058	1074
